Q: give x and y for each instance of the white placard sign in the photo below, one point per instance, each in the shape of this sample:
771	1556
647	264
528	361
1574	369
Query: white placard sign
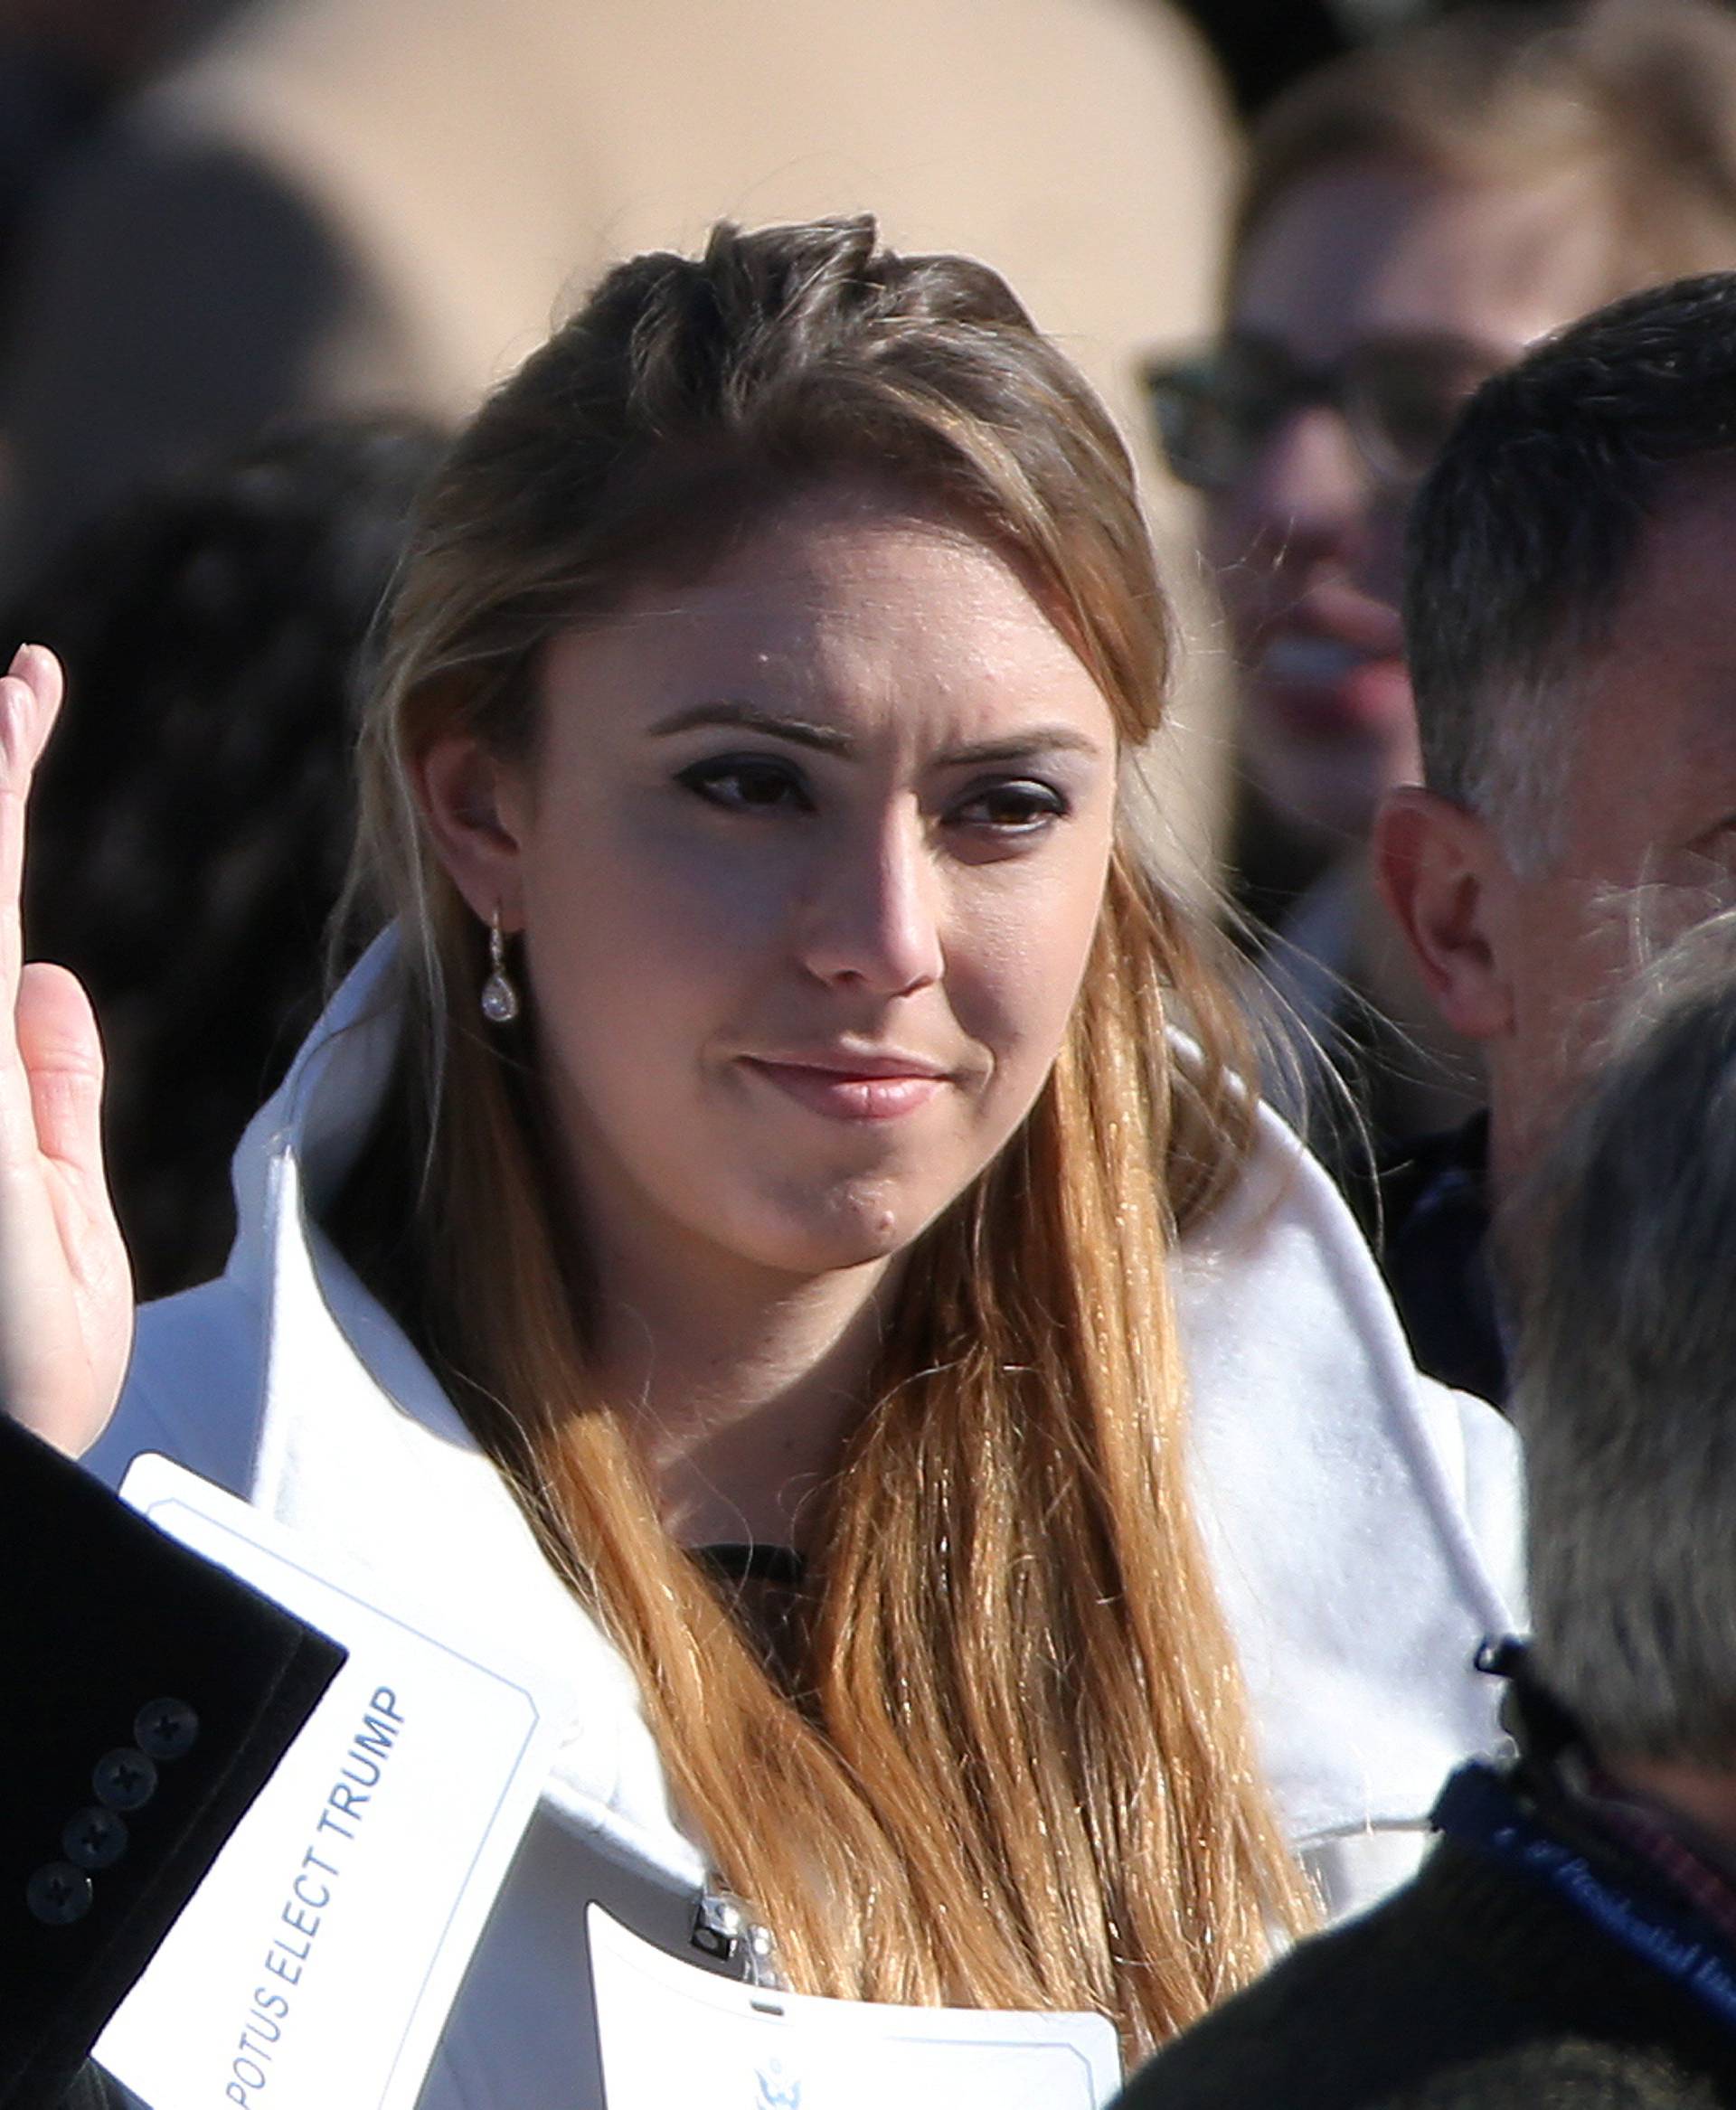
314	1966
673	2033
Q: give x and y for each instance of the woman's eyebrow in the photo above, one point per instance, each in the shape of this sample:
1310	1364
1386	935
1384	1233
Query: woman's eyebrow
1018	747
749	718
744	717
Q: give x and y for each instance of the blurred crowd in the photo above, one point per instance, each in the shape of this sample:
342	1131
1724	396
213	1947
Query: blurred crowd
1419	321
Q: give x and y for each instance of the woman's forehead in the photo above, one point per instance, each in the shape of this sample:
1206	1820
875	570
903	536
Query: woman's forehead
842	609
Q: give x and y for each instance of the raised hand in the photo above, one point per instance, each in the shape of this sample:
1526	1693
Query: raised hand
66	1290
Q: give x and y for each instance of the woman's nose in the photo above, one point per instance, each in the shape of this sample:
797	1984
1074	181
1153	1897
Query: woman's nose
872	920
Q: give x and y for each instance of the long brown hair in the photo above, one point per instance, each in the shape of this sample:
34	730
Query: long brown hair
1018	1770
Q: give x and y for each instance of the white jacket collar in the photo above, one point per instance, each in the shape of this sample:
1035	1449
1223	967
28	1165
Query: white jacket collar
1361	1521
358	1445
323	1110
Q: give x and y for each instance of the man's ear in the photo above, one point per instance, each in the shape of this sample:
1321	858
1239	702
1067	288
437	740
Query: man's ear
475	806
1443	875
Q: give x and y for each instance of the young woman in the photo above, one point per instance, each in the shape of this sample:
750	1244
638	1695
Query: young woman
768	1124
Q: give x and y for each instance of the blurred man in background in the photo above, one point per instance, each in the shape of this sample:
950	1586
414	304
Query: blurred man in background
1415	216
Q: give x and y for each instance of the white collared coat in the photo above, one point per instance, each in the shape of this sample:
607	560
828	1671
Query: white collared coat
1363	1523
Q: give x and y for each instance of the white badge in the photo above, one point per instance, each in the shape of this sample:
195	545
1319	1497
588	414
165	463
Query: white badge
314	1966
673	2033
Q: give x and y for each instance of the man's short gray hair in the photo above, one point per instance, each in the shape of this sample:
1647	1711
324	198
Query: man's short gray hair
1525	536
1626	1393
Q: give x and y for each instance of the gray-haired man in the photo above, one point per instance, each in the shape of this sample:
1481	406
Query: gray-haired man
1571	1942
1570	628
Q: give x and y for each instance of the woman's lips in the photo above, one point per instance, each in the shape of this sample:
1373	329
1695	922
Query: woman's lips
845	1095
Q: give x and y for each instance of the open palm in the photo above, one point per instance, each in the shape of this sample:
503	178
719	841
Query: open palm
66	1295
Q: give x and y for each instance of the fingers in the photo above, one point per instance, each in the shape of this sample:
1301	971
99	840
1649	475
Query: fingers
65	1286
62	1057
65	1296
29	700
35	683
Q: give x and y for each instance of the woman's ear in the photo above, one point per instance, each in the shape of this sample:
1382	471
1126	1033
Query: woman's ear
1441	873
475	806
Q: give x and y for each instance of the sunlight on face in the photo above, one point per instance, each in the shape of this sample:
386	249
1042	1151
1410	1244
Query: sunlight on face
1646	820
810	856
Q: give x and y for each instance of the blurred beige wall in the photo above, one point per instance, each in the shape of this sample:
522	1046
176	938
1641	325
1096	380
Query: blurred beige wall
350	202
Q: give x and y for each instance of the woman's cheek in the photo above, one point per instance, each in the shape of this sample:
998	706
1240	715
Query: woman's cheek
1015	1002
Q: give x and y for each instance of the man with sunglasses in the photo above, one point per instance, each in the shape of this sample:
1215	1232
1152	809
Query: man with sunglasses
1306	427
1416	216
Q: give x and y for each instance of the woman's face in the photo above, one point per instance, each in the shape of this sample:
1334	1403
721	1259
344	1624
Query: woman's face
808	860
1434	285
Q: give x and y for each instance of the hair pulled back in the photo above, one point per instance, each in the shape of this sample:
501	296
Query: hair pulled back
1015	1769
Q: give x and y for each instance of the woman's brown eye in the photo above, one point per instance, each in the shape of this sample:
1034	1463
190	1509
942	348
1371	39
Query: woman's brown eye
748	783
1019	807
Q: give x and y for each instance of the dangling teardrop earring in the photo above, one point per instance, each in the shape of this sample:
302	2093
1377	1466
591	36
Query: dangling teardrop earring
499	998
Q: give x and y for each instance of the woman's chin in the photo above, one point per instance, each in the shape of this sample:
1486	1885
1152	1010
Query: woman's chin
837	1232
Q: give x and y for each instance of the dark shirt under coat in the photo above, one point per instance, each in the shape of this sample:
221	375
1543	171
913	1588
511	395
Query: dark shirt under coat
1437	1258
